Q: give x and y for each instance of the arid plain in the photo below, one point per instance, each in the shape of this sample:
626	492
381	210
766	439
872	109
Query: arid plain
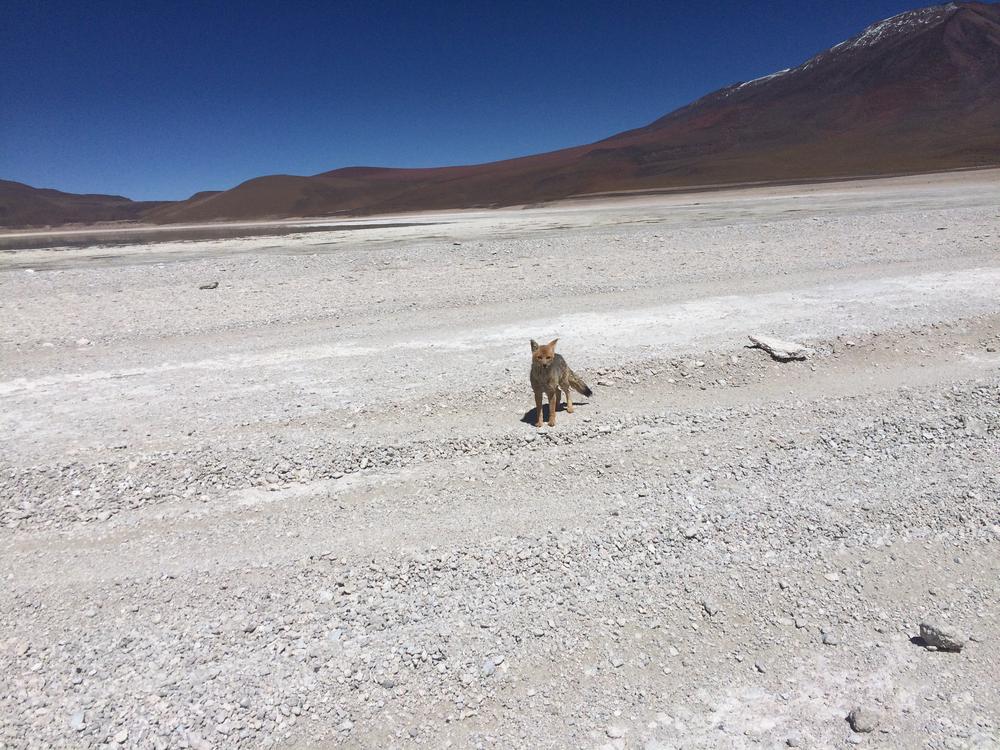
304	508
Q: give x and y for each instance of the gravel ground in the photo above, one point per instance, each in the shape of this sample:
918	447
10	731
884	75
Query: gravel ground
306	509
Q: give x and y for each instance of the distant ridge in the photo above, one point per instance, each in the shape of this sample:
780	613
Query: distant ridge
918	92
25	206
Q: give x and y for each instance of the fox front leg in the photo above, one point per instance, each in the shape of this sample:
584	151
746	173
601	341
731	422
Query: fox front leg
553	406
538	408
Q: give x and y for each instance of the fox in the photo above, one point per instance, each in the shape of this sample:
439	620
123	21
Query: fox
550	375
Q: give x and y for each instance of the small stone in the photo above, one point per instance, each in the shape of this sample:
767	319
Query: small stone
615	731
121	737
760	666
76	722
862	719
616	660
210	285
975	427
793	742
831	639
942	637
710	607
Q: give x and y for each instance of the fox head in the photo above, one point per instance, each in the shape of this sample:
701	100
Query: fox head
543	354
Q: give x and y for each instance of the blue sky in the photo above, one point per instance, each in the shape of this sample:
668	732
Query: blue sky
158	100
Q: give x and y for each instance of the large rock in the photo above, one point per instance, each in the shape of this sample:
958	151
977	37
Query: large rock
783	351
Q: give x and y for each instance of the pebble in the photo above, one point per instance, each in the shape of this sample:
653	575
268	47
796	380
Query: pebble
942	637
863	719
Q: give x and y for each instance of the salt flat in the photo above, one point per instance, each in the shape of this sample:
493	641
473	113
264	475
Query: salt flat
303	509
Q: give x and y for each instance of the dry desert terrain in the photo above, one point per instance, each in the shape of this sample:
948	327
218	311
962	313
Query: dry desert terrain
303	509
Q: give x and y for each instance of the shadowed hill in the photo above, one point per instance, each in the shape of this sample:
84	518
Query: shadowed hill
25	206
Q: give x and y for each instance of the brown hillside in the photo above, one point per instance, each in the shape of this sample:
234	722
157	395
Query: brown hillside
918	92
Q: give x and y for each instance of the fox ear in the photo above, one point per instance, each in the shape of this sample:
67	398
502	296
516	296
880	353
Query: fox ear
534	345
552	344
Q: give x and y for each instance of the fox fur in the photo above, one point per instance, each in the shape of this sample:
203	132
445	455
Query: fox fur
550	376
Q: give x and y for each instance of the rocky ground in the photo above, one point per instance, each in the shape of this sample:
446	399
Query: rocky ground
305	509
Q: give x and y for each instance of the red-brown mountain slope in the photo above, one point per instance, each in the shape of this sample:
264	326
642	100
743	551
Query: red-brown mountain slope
916	92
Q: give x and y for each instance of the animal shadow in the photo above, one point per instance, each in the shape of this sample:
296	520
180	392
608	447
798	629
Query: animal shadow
530	415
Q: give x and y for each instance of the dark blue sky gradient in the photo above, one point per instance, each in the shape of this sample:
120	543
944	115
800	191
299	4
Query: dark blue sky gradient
157	100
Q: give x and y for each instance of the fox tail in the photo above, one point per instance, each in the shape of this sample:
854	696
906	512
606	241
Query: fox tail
577	384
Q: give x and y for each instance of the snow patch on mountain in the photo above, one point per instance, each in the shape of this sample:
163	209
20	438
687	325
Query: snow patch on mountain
903	23
877	33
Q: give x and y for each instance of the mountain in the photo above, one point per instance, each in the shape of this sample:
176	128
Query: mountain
25	206
918	92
